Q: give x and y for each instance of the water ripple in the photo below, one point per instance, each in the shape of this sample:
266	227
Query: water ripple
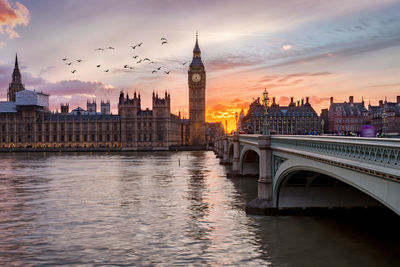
143	209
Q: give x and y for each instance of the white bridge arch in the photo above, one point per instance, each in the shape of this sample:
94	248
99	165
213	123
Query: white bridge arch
317	171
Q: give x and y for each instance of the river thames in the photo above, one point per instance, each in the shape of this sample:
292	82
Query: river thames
165	209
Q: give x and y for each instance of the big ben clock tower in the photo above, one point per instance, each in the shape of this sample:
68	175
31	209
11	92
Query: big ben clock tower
197	98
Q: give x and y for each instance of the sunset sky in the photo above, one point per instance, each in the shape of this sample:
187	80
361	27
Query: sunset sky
293	48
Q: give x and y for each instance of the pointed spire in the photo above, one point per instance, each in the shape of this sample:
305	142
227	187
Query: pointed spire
196	46
16	61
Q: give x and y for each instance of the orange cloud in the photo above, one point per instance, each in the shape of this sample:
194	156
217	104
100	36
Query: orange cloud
227	113
10	17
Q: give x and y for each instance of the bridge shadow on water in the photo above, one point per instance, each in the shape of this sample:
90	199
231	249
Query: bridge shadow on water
324	237
361	239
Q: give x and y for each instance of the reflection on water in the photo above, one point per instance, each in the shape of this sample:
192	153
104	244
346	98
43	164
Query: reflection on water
164	209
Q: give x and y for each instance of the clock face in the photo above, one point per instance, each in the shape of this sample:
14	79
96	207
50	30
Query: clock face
196	77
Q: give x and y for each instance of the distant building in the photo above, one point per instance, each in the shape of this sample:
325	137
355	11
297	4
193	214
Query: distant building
347	116
386	116
213	130
291	119
252	122
26	122
239	127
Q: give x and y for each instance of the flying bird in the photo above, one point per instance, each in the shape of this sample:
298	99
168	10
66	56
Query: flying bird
158	68
133	47
146	59
98	66
68	63
164	42
131	68
64	59
166	72
162	38
106	70
99	49
152	62
140	61
154	71
79	60
126	66
135	56
139	44
110	47
73	71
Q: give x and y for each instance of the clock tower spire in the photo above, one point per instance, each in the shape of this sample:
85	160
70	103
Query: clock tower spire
197	98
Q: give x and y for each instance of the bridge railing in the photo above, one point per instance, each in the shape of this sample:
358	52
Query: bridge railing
251	139
377	151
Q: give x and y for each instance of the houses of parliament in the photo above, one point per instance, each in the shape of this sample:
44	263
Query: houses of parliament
27	124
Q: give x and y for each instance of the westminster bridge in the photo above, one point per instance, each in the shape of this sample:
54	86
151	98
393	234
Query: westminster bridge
298	172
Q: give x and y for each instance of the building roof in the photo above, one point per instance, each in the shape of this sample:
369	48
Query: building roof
196	62
8	107
196	46
256	109
389	107
292	111
31	98
79	109
348	109
393	107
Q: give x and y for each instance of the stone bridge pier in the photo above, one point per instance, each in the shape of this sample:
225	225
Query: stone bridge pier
264	201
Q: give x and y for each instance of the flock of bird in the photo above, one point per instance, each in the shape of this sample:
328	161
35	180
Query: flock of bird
163	41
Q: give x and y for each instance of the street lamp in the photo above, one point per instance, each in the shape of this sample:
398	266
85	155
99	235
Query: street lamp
384	116
265	103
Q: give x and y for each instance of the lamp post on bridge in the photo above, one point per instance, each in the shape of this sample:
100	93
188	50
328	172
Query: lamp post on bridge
264	200
384	117
265	104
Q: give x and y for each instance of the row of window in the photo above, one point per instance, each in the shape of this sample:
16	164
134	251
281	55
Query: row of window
349	121
46	127
79	138
62	138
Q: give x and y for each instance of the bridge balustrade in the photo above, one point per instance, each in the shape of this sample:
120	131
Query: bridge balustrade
374	151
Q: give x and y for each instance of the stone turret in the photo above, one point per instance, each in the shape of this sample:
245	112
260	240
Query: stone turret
161	106
65	108
91	106
128	107
105	107
16	83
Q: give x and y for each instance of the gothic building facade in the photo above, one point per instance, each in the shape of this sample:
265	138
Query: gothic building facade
27	123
